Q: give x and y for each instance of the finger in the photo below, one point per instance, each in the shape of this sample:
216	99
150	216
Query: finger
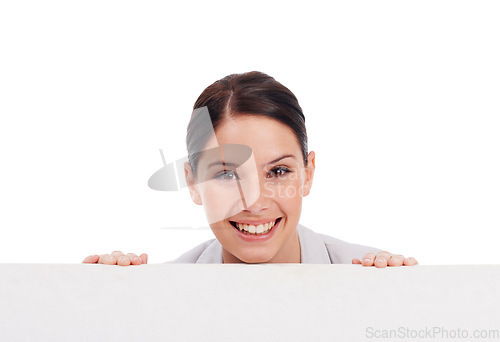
107	259
381	259
368	259
356	261
144	258
101	258
396	260
123	260
410	261
117	254
91	259
135	260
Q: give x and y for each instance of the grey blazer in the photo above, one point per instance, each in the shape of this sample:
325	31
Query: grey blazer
315	248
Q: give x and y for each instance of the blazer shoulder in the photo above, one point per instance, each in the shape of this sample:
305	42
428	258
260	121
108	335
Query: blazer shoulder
192	256
342	252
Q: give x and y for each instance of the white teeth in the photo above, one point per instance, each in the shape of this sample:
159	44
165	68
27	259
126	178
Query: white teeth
260	229
251	229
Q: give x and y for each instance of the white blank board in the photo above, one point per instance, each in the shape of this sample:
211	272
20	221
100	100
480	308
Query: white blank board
229	302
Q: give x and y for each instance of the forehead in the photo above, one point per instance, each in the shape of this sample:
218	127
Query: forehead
266	137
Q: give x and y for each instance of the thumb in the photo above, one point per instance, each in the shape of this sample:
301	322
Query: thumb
144	258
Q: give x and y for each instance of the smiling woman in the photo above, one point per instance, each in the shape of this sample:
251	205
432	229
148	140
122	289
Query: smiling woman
250	168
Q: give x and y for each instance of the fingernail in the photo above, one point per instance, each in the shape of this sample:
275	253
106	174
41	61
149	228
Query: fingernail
381	260
367	259
135	258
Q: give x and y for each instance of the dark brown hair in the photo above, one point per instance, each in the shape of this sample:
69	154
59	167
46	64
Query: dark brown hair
252	93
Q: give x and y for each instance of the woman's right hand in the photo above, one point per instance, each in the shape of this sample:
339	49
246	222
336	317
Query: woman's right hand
117	258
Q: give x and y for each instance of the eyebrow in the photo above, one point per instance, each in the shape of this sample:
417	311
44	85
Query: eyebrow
235	165
282	157
221	163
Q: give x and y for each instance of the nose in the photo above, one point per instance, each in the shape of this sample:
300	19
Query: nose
260	201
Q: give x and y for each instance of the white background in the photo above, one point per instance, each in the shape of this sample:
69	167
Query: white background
401	102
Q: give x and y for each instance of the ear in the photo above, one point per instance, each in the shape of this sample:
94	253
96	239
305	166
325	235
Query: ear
309	173
191	183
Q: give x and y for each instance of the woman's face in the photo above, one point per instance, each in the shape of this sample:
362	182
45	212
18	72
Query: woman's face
251	182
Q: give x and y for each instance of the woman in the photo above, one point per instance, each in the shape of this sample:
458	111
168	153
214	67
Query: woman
249	166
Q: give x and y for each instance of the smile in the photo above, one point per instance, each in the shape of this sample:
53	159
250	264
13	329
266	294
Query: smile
258	229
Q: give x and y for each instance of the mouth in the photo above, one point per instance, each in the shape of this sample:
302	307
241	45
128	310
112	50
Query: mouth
257	229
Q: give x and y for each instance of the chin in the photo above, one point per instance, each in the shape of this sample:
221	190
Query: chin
253	258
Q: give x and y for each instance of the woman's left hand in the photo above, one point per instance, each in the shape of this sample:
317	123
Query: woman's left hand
383	259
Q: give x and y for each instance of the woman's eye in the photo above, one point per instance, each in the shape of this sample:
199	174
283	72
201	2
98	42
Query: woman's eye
279	171
227	175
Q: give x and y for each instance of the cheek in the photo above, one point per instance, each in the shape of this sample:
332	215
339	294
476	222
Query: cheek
287	193
221	200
